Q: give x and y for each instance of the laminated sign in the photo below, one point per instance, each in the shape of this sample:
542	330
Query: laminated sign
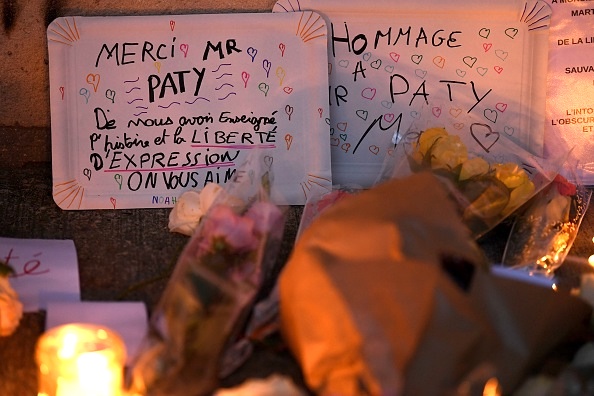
146	107
478	68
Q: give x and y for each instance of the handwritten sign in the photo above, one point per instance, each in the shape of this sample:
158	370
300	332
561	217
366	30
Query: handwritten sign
46	270
467	63
570	107
146	107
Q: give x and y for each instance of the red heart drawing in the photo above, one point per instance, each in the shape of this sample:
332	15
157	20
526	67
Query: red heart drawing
374	149
498	69
342	126
484	135
368	93
334	141
389	117
395	57
487	46
345	147
439	61
436	111
113	202
501	106
288	90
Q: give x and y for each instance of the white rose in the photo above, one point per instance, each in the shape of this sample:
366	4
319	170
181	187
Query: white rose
11	309
190	207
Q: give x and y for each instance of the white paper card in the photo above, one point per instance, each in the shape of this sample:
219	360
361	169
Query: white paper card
467	63
146	107
46	270
570	98
127	319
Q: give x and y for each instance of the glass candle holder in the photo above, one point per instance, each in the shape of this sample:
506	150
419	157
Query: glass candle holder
80	360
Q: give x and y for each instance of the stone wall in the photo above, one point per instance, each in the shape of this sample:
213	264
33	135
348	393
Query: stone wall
24	65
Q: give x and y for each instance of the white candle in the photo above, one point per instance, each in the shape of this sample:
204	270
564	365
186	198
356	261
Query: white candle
80	360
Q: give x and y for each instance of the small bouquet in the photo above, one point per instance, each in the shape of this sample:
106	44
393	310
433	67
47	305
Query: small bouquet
212	290
543	233
487	183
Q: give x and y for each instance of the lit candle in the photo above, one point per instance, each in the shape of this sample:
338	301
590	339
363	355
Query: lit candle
80	360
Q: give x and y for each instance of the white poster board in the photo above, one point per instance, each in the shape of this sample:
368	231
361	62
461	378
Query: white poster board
145	107
570	98
463	62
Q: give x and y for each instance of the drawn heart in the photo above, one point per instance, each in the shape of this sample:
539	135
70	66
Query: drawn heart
458	125
368	93
113	202
469	61
343	63
342	126
366	56
436	111
331	131
501	54
420	73
268	160
251	51
395	56
387	104
511	32
415	114
501	106
172	25
460	73
490	115
484	33
416	59
288	90
455	112
389	68
374	149
345	147
362	114
509	131
334	141
327	120
389	117
376	64
484	135
481	70
439	61
498	69
487	46
343	136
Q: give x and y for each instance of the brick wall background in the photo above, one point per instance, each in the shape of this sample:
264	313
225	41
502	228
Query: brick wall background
24	83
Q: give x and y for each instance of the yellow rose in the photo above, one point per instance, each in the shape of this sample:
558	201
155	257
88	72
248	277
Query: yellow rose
473	167
426	140
512	175
448	152
519	195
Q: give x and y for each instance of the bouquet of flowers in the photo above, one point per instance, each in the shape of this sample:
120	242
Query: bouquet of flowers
11	309
211	292
487	183
543	233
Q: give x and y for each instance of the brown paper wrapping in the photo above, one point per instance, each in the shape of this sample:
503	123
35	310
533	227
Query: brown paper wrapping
369	306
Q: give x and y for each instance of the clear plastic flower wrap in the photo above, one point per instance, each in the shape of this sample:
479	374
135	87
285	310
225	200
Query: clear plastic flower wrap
487	174
208	300
544	231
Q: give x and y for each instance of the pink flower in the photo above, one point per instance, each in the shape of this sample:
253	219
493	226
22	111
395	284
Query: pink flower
267	217
237	232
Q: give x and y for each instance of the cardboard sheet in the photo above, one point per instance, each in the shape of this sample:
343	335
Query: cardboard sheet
146	107
467	62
